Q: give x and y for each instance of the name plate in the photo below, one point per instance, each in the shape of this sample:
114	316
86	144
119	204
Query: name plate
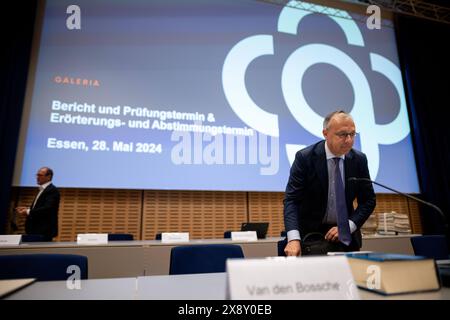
244	236
168	237
10	239
92	238
282	278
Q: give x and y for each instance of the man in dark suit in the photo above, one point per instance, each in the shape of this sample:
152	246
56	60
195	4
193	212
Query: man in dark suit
319	198
42	215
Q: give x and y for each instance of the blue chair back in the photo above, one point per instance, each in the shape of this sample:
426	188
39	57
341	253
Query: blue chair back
43	267
430	246
32	238
202	258
120	237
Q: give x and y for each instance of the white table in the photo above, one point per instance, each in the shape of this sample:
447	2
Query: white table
209	286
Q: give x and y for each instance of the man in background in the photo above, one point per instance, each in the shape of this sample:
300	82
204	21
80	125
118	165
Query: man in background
42	215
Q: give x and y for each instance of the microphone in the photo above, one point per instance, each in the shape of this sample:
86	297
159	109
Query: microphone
444	219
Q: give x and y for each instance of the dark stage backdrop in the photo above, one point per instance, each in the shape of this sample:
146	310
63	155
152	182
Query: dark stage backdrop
425	58
16	30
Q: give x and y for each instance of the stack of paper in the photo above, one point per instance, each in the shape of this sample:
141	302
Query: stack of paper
370	226
401	223
386	225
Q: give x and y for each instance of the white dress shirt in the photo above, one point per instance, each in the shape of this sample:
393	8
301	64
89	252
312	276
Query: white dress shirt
41	189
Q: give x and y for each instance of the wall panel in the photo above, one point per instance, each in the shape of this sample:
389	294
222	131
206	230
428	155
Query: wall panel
204	214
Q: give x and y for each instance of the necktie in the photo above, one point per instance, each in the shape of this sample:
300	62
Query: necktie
341	206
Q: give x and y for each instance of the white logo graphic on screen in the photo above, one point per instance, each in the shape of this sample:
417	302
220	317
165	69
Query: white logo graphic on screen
248	49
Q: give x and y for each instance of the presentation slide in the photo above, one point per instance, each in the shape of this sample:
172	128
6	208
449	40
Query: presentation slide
207	95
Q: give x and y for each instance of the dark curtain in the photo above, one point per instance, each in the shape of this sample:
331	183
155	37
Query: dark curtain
425	59
17	24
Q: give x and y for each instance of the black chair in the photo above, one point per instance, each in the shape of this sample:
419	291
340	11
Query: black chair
227	234
207	258
158	236
32	238
283	233
120	237
431	246
280	246
43	267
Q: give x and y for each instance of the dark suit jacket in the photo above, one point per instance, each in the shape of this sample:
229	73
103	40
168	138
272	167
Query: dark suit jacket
306	194
43	218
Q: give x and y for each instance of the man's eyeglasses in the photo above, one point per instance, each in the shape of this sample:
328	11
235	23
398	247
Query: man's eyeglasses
344	135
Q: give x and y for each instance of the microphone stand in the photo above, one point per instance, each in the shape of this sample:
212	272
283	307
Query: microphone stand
444	219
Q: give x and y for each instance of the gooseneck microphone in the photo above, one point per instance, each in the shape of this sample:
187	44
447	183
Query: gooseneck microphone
444	219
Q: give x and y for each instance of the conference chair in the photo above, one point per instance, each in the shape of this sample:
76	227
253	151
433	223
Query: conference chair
227	234
42	267
120	237
158	236
280	246
430	246
207	258
32	238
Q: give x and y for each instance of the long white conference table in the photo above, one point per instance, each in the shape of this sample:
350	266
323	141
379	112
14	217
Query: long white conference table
121	259
211	286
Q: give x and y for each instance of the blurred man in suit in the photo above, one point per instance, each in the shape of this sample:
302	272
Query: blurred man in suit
42	215
319	198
